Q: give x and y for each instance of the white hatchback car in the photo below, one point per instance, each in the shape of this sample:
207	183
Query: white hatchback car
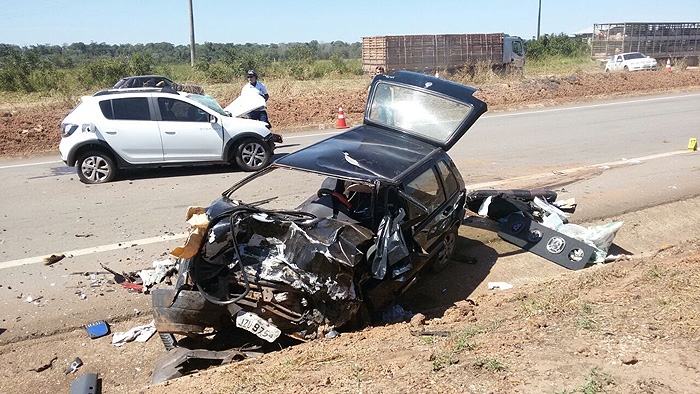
631	61
152	127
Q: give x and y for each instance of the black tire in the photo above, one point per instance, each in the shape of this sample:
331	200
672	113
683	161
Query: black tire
96	167
252	154
442	260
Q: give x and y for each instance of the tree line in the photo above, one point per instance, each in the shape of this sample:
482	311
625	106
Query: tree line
56	67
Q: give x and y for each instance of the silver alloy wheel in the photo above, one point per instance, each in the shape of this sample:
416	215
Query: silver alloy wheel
253	154
96	168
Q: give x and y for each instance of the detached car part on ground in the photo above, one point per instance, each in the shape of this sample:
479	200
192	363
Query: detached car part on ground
328	236
155	127
535	221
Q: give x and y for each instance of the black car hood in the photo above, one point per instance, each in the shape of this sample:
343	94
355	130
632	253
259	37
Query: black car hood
365	152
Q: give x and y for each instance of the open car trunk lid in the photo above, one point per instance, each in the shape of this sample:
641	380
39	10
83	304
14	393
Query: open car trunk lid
431	109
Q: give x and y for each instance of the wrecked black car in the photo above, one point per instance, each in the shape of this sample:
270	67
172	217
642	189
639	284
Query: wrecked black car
332	234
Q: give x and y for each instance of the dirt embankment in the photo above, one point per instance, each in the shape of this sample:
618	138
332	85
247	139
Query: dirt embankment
33	129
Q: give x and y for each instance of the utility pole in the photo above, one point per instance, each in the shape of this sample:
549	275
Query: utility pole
539	15
192	35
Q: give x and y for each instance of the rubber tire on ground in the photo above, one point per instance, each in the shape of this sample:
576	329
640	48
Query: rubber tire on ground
252	154
442	260
96	167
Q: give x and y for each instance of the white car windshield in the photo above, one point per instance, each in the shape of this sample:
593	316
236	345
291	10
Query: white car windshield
208	101
636	55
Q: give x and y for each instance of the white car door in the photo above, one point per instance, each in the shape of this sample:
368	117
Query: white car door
129	130
617	65
187	133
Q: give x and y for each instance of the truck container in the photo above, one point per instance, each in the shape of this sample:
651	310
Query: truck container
435	52
658	40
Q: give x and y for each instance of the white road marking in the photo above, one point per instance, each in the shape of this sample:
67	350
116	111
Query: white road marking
30	164
96	249
573	170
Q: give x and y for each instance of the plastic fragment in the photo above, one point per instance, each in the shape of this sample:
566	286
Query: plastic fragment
499	285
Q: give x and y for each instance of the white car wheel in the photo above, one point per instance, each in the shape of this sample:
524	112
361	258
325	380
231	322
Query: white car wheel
252	155
96	167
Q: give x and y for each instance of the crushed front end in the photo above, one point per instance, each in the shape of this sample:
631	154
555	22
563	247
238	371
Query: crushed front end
266	272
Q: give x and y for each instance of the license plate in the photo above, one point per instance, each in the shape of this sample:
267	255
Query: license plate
258	326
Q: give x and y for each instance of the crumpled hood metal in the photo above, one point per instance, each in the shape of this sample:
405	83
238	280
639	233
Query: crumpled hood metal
310	255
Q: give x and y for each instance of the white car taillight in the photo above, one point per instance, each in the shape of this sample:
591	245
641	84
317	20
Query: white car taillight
67	129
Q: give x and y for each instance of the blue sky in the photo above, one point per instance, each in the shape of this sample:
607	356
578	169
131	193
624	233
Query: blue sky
32	22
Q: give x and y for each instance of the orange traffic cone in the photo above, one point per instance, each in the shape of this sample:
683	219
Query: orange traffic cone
668	65
341	118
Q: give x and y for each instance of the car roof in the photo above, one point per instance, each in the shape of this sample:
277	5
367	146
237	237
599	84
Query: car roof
164	89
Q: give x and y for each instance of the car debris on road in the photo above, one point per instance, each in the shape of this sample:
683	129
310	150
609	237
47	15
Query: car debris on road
536	221
74	365
138	334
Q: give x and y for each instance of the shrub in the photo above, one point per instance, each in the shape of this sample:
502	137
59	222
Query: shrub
219	73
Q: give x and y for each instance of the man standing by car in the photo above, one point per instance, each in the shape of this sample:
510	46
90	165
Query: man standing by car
256	87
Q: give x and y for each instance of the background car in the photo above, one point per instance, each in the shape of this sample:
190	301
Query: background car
124	128
332	234
144	81
631	61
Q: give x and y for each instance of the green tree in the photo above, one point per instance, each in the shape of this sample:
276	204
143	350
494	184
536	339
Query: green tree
550	45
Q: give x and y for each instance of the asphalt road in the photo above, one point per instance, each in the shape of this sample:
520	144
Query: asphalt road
613	157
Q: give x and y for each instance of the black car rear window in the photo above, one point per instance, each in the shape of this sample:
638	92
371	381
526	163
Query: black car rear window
135	108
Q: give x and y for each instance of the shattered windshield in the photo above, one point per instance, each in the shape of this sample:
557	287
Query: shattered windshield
209	101
417	112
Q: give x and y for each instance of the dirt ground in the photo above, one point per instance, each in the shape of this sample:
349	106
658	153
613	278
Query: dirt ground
632	326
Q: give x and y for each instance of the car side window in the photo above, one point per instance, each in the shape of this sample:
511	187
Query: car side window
134	108
518	48
448	178
181	111
427	189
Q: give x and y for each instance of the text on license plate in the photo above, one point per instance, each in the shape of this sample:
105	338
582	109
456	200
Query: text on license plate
257	325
